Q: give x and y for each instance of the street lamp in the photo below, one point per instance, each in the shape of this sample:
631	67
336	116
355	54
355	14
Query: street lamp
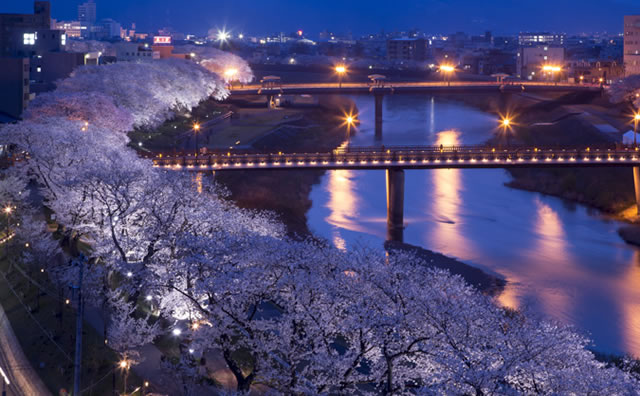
551	69
7	211
341	70
447	70
506	124
196	129
124	366
636	119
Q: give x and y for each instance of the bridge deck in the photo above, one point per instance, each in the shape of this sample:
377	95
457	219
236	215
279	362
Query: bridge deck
426	157
414	87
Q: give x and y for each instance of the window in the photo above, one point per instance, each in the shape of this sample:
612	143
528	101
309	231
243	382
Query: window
29	39
63	39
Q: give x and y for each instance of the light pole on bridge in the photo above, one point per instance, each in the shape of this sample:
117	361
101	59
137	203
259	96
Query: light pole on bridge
636	119
196	129
341	70
447	70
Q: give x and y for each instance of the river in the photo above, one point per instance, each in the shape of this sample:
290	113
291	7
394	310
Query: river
562	261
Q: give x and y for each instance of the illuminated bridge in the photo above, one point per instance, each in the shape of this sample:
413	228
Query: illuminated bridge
396	159
411	87
378	89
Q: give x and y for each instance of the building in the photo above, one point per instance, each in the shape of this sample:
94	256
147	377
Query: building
87	13
407	49
49	67
110	28
134	52
14	85
28	39
526	39
601	71
540	63
632	44
25	34
71	28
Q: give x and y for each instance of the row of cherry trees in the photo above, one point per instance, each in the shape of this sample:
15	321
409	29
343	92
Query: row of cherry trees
299	317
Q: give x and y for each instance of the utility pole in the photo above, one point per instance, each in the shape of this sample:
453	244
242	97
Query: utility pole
77	366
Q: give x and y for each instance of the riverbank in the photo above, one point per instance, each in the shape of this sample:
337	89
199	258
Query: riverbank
286	193
576	119
485	283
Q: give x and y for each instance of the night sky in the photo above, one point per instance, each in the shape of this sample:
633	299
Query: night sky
357	16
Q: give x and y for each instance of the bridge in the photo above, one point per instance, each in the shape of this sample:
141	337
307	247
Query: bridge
394	160
271	89
411	87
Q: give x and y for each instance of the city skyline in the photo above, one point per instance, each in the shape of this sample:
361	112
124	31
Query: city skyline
359	16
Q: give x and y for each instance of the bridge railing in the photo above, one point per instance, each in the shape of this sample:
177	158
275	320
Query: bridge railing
411	154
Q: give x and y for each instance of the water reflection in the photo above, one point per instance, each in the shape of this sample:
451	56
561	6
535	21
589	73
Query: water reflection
563	262
631	305
343	201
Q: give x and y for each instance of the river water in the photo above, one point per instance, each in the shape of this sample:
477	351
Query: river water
561	261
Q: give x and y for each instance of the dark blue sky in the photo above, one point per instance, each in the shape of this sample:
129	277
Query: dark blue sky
359	16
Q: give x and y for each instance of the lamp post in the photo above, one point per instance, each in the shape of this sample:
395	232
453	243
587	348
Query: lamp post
447	70
341	70
7	211
506	126
124	366
636	119
229	76
196	129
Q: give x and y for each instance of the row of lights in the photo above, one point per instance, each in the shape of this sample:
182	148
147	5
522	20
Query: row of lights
402	161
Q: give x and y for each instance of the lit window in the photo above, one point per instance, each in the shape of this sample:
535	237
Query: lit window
29	39
63	39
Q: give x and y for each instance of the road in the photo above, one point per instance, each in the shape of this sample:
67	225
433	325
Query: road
24	381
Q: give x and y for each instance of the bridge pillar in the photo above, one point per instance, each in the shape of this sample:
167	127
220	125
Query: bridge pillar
636	185
378	99
395	204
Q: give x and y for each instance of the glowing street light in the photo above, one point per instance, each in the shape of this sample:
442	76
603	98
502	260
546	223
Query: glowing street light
506	124
196	129
223	36
636	120
341	70
230	74
125	365
447	70
7	210
176	332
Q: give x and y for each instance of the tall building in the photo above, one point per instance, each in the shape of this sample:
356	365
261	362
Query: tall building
632	44
19	32
527	39
407	49
87	13
14	85
33	55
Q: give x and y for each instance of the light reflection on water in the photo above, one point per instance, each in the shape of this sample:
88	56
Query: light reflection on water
559	260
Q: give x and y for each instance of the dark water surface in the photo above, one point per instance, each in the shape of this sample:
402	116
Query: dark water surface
561	260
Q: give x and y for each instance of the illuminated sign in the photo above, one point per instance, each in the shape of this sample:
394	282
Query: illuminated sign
162	40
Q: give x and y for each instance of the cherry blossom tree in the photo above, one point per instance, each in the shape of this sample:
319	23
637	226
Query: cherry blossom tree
626	90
